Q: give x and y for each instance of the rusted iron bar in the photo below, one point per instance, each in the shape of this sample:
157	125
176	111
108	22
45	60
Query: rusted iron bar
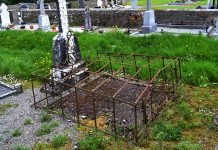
94	110
98	86
77	106
34	98
109	97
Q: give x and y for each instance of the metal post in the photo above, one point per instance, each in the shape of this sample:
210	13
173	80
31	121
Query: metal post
136	124
114	117
94	110
34	98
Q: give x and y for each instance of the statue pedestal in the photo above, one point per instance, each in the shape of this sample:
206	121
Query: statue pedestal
149	24
44	22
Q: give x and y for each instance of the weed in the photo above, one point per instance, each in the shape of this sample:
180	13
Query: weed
43	130
186	145
45	117
6	106
93	141
21	148
54	124
59	141
27	121
165	131
17	132
184	110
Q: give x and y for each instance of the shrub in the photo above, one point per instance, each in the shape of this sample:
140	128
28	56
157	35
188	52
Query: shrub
27	121
16	133
186	145
59	141
45	117
92	141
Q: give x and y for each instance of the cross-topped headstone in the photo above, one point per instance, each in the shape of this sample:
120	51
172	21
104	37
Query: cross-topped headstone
5	17
62	5
43	19
65	51
148	5
149	24
42	7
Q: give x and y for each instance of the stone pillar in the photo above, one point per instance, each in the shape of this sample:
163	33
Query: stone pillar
5	16
149	24
43	19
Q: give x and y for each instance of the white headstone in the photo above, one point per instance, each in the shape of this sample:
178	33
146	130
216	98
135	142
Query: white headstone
43	19
134	4
149	24
5	17
99	3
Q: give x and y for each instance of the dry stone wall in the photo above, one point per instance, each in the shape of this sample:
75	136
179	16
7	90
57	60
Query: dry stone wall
128	17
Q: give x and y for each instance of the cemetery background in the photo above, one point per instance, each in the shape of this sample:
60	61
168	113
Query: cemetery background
199	69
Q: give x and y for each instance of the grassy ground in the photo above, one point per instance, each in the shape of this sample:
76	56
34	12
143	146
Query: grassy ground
23	52
159	4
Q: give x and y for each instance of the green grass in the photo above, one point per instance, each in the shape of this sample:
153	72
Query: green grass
17	132
43	130
4	107
158	4
23	52
46	128
45	117
92	141
59	141
27	121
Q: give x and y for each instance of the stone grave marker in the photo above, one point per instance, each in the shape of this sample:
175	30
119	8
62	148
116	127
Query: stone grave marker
65	51
5	17
43	19
149	24
88	24
134	4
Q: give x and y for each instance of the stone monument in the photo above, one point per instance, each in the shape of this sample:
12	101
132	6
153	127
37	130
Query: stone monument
99	3
43	19
5	17
149	24
134	4
88	23
66	55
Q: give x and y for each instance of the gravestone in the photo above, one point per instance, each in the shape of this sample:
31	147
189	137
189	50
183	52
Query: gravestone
43	19
5	17
88	24
81	4
134	4
66	55
149	24
99	3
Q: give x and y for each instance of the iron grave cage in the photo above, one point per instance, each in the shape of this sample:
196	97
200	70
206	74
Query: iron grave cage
127	90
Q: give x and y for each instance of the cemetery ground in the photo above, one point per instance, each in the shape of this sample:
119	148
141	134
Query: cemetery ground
187	123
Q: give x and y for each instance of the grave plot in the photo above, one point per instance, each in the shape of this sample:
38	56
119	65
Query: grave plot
127	90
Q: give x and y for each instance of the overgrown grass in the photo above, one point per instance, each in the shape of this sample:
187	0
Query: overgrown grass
23	52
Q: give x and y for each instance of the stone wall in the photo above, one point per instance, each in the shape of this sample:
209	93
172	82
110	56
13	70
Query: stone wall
128	17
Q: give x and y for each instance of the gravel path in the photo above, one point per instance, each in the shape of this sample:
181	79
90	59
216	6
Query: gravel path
13	118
